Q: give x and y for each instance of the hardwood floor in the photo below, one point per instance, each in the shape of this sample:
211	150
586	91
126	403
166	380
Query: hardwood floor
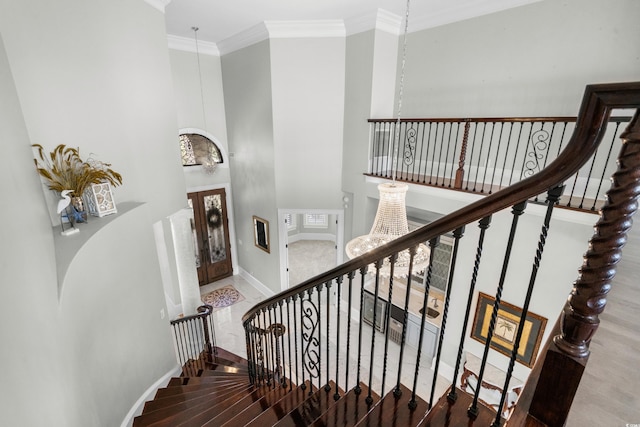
608	394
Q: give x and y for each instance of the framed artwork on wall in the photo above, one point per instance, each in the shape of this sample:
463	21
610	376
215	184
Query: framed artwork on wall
261	233
506	328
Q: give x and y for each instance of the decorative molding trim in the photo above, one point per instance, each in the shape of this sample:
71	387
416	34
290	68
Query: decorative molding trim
187	44
244	38
381	20
305	29
136	409
158	4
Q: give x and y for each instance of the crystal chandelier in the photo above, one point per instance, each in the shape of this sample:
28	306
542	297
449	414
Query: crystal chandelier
391	218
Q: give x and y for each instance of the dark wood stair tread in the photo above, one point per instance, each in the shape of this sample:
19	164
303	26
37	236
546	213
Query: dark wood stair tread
394	411
227	355
190	417
218	416
182	381
275	412
350	409
311	409
272	402
180	389
455	414
203	402
163	402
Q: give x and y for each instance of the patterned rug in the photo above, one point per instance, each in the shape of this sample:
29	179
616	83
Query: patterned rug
222	297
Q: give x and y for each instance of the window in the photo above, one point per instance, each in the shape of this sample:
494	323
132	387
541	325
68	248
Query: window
316	220
198	150
290	220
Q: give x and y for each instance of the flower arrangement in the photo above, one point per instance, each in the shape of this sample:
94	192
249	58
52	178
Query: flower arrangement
64	169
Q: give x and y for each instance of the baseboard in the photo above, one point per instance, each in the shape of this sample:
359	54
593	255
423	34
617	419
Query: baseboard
312	236
256	283
136	409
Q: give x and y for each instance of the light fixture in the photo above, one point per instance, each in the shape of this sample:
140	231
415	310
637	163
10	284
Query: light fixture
209	164
391	217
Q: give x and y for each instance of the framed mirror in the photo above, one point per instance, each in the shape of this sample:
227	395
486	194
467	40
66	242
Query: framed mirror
261	233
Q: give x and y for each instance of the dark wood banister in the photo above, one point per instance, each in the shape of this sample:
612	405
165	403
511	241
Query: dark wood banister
597	103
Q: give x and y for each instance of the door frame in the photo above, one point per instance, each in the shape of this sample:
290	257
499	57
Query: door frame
230	218
283	235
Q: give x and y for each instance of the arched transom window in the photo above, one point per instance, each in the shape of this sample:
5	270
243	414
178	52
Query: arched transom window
199	150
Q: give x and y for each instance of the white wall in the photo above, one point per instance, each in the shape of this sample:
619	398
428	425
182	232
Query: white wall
93	75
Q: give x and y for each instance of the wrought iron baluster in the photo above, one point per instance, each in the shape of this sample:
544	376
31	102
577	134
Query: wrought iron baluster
486	167
515	155
423	146
363	272
302	346
433	243
433	155
457	235
472	150
495	162
604	169
311	325
347	358
336	396
506	154
327	386
446	159
318	293
290	362
397	392
484	131
517	211
552	198
378	265
392	260
483	225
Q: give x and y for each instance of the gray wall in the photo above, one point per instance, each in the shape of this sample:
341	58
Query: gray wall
98	78
248	106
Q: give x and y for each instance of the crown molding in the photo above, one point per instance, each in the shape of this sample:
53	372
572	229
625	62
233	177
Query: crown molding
381	19
305	29
189	45
158	4
244	38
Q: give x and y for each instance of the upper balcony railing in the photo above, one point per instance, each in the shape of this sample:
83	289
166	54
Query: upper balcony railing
483	155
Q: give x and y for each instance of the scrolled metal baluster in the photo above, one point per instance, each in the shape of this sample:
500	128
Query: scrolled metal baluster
289	340
483	225
310	324
517	211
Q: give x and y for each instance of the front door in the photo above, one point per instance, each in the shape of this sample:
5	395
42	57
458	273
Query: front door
211	235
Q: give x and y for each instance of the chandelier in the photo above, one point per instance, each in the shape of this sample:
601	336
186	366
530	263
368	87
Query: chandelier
391	218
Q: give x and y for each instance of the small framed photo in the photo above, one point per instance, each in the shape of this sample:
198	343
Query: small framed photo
261	233
506	329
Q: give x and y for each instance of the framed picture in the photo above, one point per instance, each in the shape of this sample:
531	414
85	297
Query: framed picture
261	233
506	328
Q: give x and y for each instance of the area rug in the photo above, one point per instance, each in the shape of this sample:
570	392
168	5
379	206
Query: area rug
222	297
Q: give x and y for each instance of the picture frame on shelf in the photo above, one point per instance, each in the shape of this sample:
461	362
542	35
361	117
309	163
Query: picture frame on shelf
506	328
100	201
261	233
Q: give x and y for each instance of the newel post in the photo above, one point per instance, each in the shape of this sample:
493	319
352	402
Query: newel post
566	357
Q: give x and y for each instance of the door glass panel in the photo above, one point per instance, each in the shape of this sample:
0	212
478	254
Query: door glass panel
194	234
215	230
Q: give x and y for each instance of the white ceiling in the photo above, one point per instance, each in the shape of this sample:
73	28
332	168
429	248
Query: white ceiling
220	20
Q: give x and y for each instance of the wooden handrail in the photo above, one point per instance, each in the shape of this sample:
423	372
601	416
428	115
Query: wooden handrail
597	104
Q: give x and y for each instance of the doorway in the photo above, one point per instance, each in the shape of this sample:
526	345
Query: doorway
210	229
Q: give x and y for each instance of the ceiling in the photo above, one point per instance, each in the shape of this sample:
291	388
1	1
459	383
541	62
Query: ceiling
219	20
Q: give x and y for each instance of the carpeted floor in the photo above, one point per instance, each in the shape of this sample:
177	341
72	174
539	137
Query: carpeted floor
308	258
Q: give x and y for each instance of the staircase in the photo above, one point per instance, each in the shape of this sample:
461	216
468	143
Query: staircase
221	395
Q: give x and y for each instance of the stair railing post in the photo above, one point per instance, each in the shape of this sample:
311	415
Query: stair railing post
463	155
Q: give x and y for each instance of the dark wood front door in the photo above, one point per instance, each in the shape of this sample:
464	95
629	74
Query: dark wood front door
211	235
